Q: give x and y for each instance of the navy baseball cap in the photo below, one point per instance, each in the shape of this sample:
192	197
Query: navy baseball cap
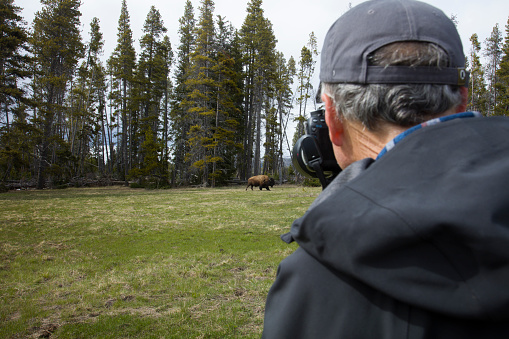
377	23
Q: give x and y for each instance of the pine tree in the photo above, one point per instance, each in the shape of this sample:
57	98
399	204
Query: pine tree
180	122
268	57
199	103
228	115
57	48
493	52
14	136
151	77
97	97
13	59
258	45
269	74
307	64
284	102
235	52
86	108
151	73
306	59
477	89
166	54
502	107
121	66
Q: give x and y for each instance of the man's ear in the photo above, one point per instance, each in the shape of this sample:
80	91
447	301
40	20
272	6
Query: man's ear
333	122
464	100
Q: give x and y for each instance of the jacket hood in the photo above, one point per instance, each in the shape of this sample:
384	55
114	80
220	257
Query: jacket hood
427	224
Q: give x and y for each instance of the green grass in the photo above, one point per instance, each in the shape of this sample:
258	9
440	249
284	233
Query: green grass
132	263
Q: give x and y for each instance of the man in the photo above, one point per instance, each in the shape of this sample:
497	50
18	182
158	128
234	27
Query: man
411	240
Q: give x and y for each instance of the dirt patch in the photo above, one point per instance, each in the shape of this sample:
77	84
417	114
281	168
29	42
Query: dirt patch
45	331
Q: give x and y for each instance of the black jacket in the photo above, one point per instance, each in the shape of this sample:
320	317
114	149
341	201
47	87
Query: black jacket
413	245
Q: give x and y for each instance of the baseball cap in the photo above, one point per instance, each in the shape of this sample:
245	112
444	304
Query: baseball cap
374	24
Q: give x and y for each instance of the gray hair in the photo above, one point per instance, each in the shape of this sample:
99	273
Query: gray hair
402	104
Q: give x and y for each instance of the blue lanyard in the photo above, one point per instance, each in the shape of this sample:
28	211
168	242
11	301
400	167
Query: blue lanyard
431	122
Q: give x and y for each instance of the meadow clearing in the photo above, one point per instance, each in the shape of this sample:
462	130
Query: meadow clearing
117	262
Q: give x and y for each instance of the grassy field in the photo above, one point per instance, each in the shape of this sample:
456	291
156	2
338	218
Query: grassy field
133	263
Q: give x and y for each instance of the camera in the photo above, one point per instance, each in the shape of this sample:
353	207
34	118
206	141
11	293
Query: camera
313	155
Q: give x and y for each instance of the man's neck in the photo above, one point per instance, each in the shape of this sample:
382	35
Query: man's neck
368	144
363	143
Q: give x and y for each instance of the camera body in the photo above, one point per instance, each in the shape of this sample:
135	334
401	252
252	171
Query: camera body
313	155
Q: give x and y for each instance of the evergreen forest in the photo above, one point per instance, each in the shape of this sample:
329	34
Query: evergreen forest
213	108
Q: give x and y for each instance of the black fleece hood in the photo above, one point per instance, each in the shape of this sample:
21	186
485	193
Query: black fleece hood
427	224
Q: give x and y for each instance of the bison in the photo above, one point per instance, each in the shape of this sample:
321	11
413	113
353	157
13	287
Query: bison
260	180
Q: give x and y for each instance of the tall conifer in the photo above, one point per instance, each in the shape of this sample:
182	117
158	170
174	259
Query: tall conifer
57	47
13	59
180	121
502	85
97	101
227	125
151	75
121	66
87	103
477	88
199	103
284	102
14	129
166	54
493	53
306	70
258	45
